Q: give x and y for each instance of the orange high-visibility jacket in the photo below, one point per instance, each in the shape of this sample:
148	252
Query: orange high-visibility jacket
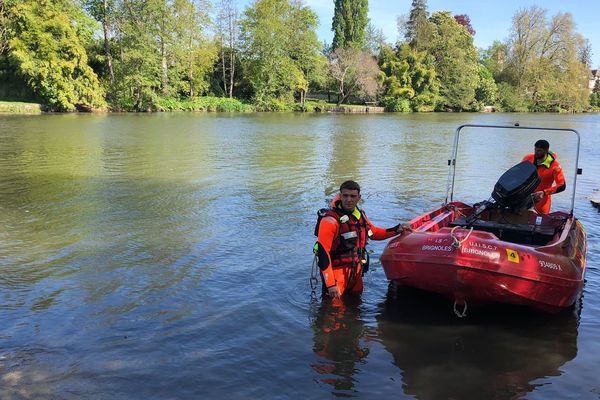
340	256
550	171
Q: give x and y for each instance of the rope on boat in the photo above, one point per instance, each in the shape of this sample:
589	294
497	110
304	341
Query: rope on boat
456	242
463	313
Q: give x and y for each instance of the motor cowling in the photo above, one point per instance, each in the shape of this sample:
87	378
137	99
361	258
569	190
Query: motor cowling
515	186
512	190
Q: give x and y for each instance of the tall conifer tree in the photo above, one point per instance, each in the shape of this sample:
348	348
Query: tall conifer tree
418	27
350	23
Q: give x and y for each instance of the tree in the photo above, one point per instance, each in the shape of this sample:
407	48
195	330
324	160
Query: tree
494	58
408	74
584	53
418	30
465	21
227	35
47	50
456	62
280	49
487	91
374	39
103	11
305	49
139	72
543	60
193	56
3	27
349	23
355	72
596	86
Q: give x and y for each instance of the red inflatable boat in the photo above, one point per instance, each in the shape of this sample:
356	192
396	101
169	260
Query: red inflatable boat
492	253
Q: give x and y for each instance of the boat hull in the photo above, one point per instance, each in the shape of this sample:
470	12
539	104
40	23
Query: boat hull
476	267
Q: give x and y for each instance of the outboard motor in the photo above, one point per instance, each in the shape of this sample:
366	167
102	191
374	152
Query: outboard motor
515	186
513	190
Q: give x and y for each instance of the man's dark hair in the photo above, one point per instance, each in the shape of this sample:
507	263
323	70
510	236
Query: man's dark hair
542	144
350	185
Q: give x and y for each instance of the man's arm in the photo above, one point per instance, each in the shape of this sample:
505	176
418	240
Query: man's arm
328	229
559	179
383	233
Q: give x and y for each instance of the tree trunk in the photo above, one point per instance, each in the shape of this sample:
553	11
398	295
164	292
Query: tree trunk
163	56
231	71
106	46
231	52
191	69
225	90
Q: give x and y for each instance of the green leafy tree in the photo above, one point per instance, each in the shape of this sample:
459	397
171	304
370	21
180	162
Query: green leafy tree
193	55
486	92
594	100
3	27
408	75
138	68
494	59
350	22
47	50
280	49
595	95
543	60
305	50
456	62
510	99
104	12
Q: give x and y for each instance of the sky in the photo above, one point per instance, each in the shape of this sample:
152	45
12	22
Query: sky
490	19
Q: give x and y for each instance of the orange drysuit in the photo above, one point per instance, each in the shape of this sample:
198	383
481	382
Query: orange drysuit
550	171
342	238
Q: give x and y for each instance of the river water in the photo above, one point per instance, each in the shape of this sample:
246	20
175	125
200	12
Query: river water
167	256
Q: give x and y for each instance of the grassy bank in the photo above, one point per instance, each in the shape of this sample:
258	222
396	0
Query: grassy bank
208	103
200	104
13	107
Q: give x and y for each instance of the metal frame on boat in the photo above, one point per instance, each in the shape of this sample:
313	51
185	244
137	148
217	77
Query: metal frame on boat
452	160
506	256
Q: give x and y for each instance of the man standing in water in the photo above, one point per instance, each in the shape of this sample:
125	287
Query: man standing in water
550	171
342	235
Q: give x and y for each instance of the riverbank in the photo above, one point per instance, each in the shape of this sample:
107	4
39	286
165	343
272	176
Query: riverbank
219	104
10	107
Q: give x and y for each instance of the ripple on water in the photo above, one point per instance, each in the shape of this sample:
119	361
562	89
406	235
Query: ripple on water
177	248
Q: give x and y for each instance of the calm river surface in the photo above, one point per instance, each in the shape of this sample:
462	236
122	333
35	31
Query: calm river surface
167	256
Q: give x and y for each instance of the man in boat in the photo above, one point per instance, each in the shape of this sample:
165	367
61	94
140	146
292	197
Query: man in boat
342	235
550	171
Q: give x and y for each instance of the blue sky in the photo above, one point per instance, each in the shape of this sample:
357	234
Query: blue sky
490	19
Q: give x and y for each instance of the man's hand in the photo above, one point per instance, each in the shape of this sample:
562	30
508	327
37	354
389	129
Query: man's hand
537	196
334	292
403	228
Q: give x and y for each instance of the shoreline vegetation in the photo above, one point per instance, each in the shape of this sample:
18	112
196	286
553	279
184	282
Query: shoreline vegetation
218	104
16	107
204	55
203	104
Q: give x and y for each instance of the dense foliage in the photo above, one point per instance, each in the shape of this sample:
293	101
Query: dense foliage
350	23
151	55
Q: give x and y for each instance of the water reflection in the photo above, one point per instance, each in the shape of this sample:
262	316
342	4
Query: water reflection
497	353
338	335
